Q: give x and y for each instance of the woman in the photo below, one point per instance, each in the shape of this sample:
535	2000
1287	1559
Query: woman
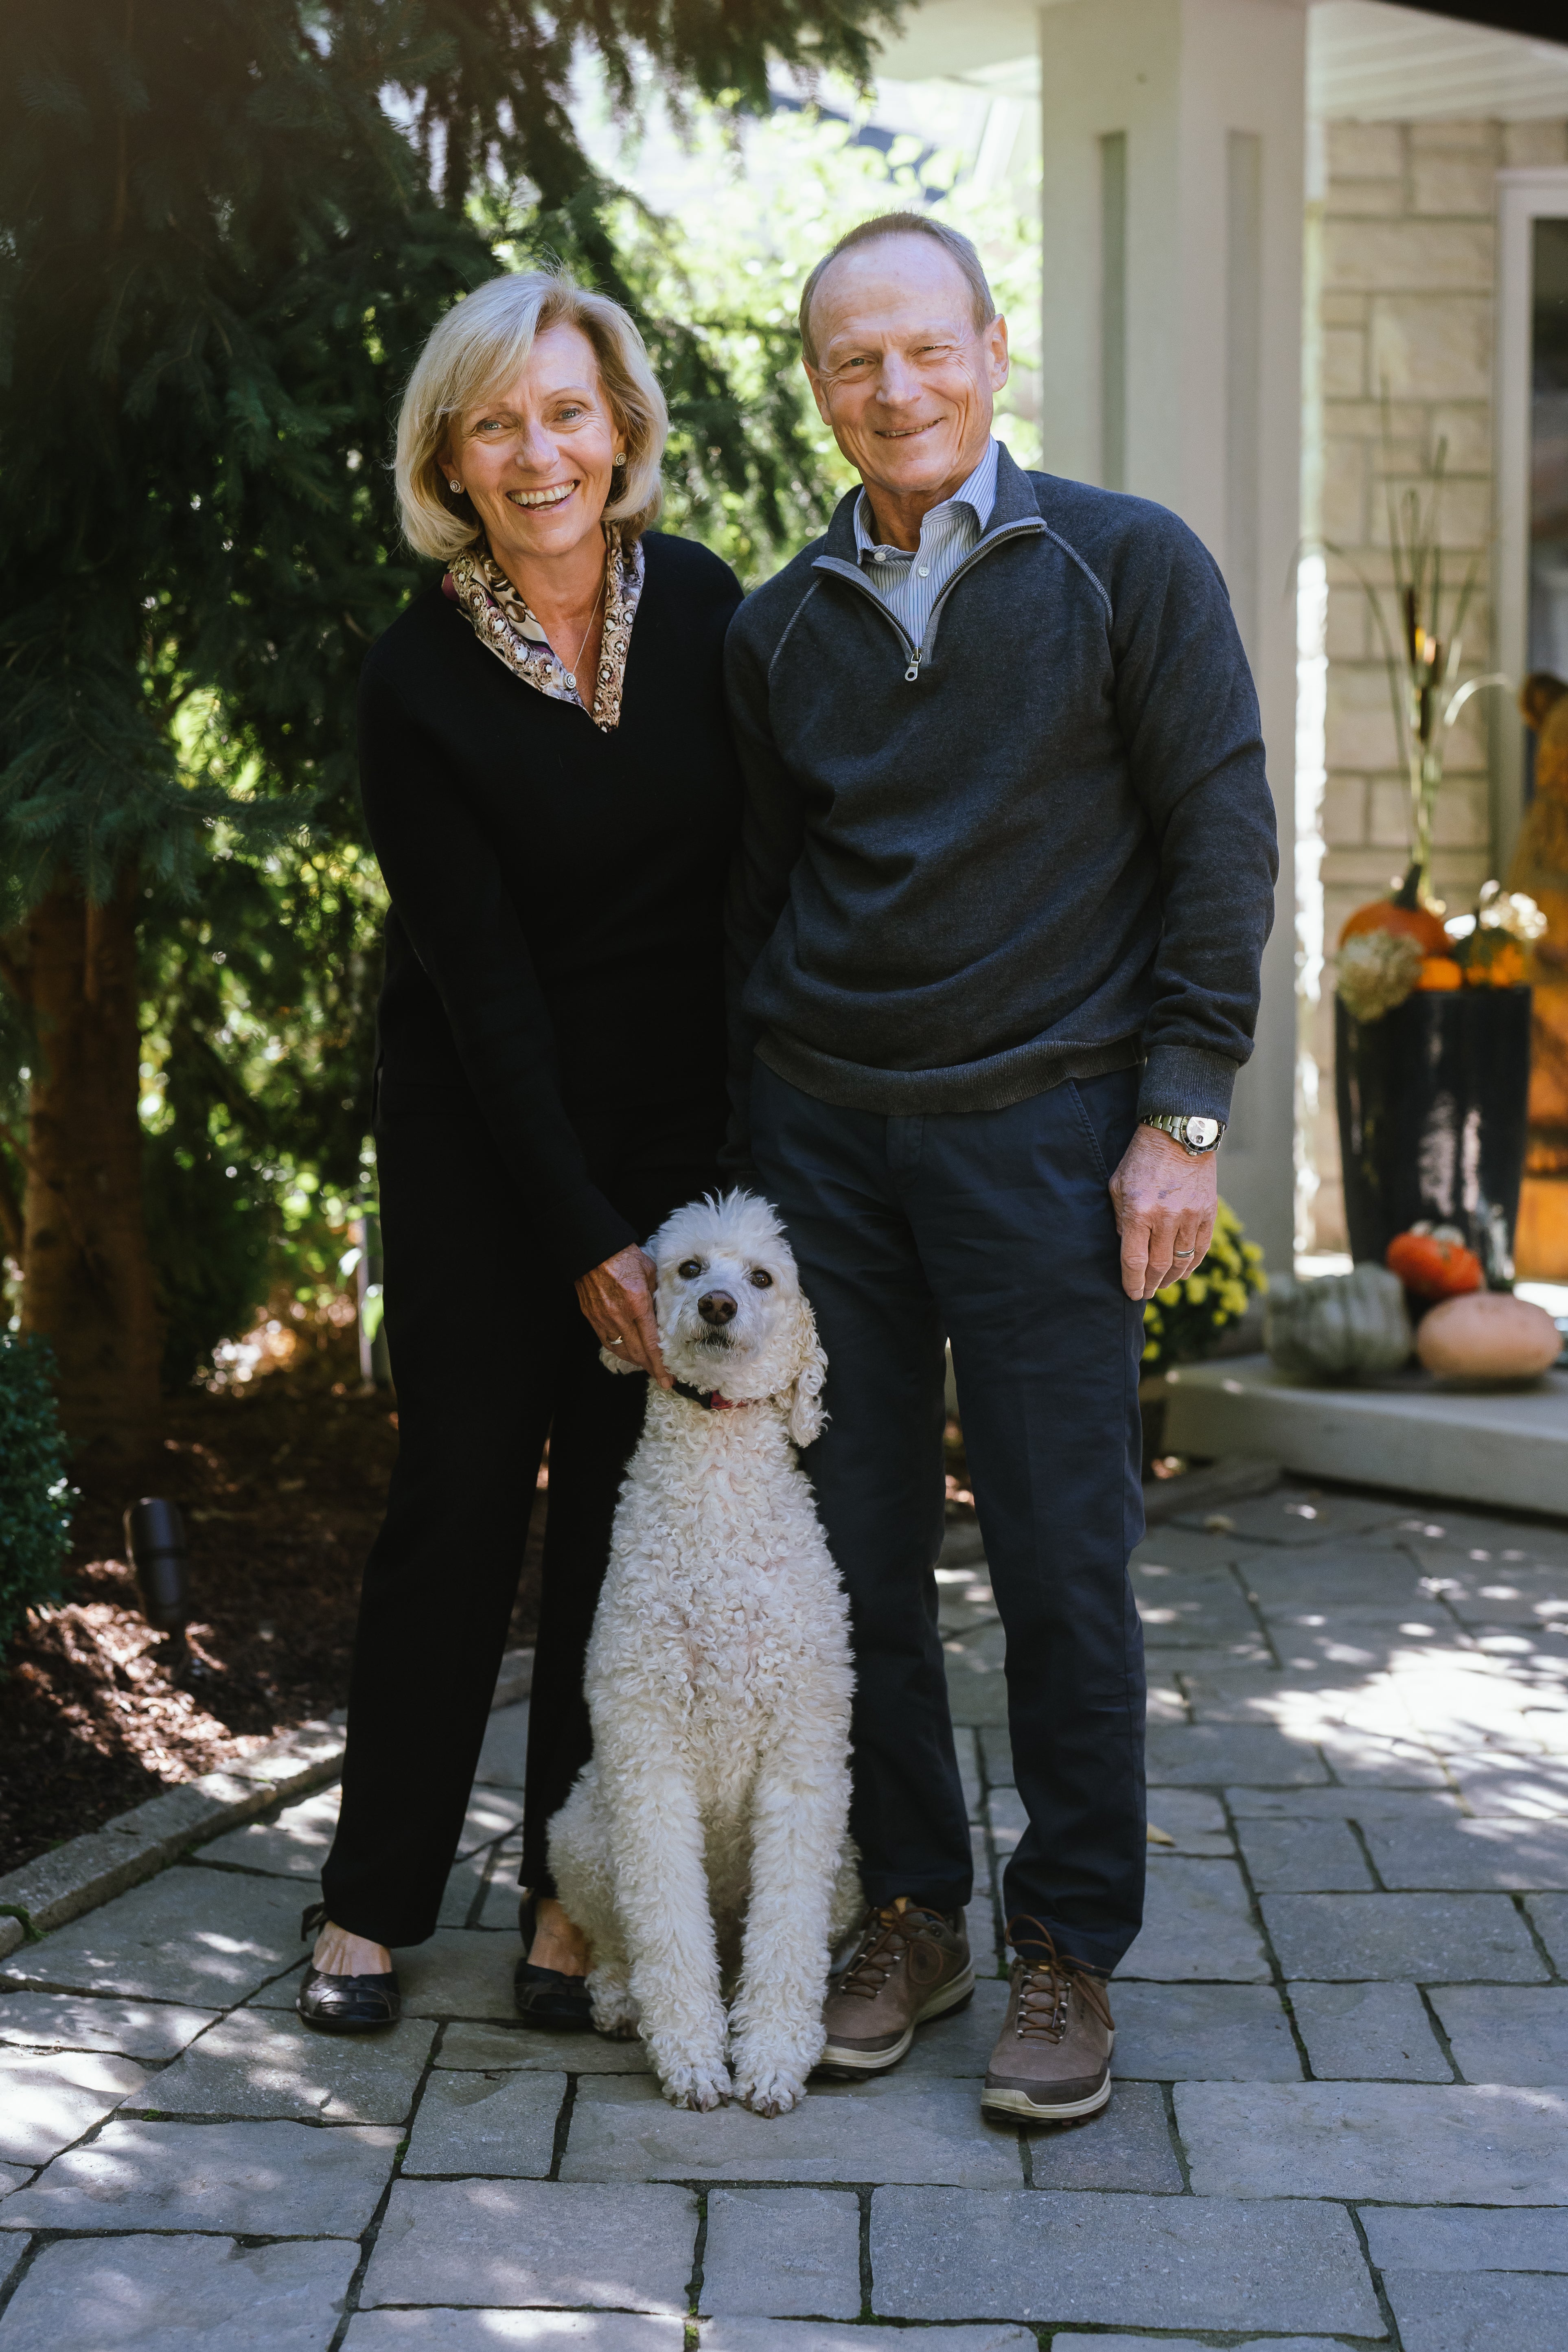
550	788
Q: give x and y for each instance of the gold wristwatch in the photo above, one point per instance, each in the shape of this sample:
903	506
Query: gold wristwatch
1197	1137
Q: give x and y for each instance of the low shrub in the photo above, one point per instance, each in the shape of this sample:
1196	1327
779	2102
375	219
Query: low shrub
35	1495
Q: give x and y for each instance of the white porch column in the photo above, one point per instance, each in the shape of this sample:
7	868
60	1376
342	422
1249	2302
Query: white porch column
1173	135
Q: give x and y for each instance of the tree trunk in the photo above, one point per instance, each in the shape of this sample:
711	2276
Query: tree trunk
88	1284
10	1213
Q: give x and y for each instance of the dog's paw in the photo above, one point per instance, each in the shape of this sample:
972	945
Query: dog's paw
770	2091
701	2088
615	2014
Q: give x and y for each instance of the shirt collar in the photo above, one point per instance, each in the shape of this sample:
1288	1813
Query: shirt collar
501	619
978	493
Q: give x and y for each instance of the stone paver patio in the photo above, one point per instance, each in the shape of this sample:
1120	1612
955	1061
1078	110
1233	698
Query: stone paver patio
1342	2044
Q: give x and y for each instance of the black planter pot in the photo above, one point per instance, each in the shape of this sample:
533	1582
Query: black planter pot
1432	1102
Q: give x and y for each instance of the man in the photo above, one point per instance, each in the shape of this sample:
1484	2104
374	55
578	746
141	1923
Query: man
1006	875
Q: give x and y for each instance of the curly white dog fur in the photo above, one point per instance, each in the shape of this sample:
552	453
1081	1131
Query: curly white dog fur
711	1829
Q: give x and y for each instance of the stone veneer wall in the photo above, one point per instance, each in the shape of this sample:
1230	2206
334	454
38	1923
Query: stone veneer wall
1405	266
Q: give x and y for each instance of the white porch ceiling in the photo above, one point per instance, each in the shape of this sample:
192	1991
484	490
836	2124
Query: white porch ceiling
1366	62
990	44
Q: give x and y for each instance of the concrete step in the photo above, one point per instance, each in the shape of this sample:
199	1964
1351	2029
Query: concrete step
1507	1446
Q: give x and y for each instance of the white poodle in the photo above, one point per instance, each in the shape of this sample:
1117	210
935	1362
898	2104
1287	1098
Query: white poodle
709	1833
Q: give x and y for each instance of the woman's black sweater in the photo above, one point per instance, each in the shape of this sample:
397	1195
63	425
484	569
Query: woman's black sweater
554	947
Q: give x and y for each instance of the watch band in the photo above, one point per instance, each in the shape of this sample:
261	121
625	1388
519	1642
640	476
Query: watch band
1197	1137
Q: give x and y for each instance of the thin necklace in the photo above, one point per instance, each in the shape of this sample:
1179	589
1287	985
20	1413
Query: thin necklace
572	673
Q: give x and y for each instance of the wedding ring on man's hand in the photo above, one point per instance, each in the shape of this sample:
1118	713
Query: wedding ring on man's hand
1173	1254
621	1343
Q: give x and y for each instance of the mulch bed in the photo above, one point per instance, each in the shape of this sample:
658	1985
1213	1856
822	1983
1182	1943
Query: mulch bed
282	1485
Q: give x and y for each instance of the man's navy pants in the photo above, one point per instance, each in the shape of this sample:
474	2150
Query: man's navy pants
994	1230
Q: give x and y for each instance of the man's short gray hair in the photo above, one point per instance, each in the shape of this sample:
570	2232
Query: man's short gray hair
867	232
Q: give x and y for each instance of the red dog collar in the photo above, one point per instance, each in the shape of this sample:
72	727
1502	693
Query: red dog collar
712	1401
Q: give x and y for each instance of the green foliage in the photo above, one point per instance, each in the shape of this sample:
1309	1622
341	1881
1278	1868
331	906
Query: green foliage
1184	1321
208	1225
220	249
35	1495
218	257
259	1033
257	1049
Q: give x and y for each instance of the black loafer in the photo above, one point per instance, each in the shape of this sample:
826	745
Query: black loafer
345	2004
546	1998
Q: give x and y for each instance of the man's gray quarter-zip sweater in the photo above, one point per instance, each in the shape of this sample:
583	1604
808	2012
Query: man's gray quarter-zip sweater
1038	846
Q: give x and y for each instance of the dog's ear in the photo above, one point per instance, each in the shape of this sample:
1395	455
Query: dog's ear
806	1417
615	1363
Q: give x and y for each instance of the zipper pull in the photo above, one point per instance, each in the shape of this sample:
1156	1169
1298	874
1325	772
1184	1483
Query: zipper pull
913	671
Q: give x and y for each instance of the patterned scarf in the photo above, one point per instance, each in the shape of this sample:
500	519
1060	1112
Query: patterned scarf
501	619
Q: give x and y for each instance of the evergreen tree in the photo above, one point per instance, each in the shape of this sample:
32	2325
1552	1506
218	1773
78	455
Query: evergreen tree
35	1495
226	226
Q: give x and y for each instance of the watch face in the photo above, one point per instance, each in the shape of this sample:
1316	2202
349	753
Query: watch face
1203	1133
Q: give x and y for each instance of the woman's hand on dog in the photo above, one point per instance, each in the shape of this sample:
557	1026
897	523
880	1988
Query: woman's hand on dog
617	1299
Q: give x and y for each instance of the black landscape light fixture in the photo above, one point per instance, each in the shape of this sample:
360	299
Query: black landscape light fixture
155	1539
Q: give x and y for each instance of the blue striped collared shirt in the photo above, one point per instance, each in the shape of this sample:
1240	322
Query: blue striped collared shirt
909	584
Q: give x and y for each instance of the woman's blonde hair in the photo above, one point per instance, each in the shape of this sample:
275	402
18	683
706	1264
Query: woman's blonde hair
480	347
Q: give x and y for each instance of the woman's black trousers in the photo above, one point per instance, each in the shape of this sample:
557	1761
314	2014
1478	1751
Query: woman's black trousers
490	1353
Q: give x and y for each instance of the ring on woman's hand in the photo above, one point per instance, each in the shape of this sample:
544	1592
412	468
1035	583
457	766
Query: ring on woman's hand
621	1343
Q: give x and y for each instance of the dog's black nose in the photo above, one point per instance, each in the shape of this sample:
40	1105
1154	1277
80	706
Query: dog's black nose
716	1306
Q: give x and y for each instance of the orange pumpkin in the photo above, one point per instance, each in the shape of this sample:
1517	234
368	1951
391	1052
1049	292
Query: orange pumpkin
1434	1266
1417	923
1440	972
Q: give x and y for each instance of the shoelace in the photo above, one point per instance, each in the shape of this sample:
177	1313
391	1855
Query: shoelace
883	1945
1046	1988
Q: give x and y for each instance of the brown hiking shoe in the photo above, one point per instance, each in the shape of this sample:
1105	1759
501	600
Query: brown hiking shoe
909	1964
1053	2060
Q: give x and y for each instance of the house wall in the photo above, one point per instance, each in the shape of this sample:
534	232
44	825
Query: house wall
1401	253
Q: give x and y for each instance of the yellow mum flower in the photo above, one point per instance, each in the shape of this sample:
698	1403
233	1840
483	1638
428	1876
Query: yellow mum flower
1182	1321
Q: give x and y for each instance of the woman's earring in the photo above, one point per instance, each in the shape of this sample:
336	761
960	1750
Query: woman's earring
457	485
620	457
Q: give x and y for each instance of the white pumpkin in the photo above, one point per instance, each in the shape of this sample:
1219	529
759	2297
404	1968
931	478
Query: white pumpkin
1487	1336
1339	1327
